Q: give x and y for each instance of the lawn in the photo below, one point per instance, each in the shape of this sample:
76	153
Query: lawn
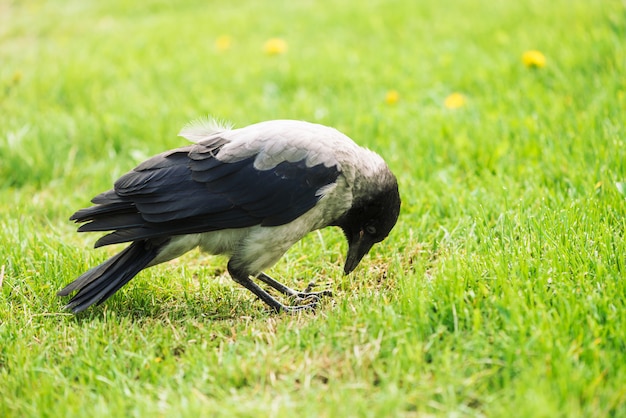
500	292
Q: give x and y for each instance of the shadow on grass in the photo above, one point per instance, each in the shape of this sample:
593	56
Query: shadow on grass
175	306
178	307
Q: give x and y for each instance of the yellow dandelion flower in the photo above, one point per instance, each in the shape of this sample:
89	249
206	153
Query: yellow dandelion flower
158	359
454	101
275	46
534	59
223	43
392	97
17	76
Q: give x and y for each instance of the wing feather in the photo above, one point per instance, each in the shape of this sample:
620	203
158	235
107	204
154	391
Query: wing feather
190	190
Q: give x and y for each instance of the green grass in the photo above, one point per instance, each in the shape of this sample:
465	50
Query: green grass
499	293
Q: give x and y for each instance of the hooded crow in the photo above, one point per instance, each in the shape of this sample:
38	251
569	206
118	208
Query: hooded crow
248	193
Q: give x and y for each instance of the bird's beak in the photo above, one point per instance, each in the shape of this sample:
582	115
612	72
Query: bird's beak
358	246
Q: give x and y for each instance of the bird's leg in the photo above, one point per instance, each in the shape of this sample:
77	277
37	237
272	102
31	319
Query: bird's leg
285	290
243	279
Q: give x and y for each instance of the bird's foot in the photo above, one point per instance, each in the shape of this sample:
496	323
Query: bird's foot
294	309
306	300
308	294
316	296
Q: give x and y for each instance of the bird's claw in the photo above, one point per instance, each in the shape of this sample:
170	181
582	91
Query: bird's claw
314	296
312	299
308	293
310	307
305	300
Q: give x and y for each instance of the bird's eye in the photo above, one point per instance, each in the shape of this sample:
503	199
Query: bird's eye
371	230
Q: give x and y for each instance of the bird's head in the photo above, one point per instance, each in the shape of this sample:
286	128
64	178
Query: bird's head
369	221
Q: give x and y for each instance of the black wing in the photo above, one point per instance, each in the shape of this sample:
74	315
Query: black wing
190	191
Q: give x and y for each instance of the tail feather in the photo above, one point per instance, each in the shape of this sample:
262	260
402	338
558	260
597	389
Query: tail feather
112	222
99	283
98	211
